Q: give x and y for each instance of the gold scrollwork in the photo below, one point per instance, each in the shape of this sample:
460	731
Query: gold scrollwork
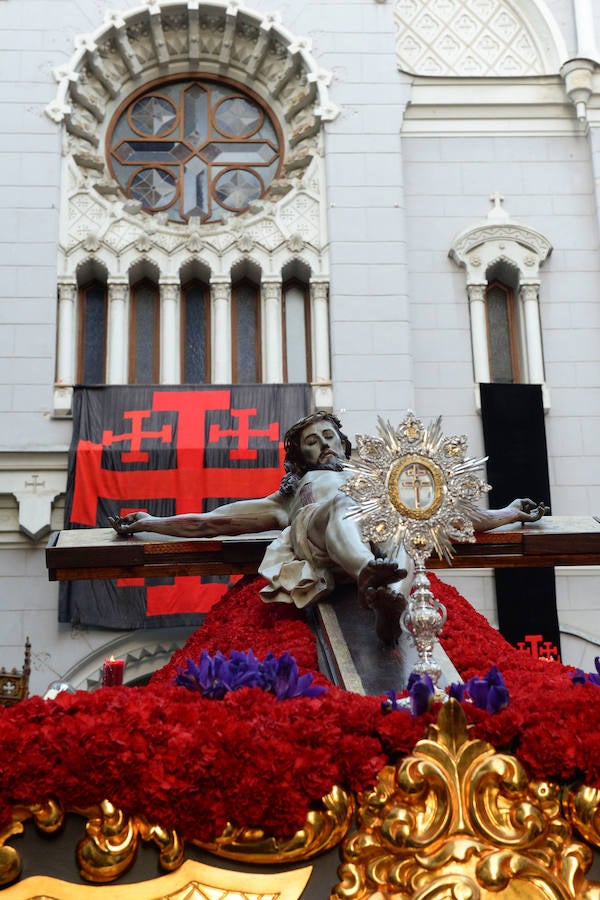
112	841
458	820
324	828
582	808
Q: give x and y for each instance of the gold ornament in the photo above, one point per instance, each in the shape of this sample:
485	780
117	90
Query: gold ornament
459	821
324	828
112	839
193	881
112	843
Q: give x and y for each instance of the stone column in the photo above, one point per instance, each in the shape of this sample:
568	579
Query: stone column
273	337
220	293
584	24
479	341
170	337
66	348
319	314
118	330
530	295
66	343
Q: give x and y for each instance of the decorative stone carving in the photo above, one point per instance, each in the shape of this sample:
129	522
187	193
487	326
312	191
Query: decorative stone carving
471	38
524	250
499	237
134	47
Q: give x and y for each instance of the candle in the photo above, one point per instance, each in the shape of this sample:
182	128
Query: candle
112	672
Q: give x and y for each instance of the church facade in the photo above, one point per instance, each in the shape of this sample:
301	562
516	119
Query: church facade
394	201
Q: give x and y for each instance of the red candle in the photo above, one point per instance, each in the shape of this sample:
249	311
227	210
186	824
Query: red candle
112	672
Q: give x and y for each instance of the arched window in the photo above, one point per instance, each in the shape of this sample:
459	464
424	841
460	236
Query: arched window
92	333
296	332
245	332
202	147
502	331
195	333
502	260
197	132
144	333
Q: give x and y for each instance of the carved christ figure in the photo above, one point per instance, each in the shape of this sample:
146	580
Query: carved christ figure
318	545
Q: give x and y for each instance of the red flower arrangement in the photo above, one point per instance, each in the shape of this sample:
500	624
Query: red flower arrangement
193	763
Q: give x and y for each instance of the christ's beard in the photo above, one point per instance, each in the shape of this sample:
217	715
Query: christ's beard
330	464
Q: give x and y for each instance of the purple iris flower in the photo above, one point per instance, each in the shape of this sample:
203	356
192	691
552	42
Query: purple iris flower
594	677
421	691
211	677
580	677
214	677
457	691
391	703
490	692
289	683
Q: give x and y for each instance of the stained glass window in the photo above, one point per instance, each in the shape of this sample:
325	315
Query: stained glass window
195	147
196	333
502	336
92	333
143	336
245	332
296	324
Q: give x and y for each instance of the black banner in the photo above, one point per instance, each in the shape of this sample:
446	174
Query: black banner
168	450
515	440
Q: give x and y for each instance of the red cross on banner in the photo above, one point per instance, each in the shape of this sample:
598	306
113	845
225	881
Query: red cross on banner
190	483
169	451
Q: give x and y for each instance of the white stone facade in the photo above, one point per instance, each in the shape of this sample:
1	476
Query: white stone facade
402	119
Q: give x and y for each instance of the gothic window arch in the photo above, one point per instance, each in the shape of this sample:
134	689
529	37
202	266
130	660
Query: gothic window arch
193	136
502	260
195	332
144	332
246	329
91	357
502	333
296	324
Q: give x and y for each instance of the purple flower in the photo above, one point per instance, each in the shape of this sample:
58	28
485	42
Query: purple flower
391	703
215	676
211	677
289	683
490	692
594	677
580	677
457	691
421	691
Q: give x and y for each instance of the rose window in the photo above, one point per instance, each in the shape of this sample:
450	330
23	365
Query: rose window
195	147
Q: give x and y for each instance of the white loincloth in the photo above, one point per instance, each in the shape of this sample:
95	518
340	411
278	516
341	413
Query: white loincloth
298	572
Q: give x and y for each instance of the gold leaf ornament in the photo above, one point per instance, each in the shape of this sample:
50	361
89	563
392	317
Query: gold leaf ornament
458	821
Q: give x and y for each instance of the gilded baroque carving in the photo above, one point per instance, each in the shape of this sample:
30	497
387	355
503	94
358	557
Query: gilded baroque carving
324	829
193	881
457	819
112	839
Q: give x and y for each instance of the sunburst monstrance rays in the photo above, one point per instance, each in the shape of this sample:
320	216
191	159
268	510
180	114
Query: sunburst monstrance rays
414	486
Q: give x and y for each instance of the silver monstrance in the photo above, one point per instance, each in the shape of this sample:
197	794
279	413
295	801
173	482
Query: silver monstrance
415	487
